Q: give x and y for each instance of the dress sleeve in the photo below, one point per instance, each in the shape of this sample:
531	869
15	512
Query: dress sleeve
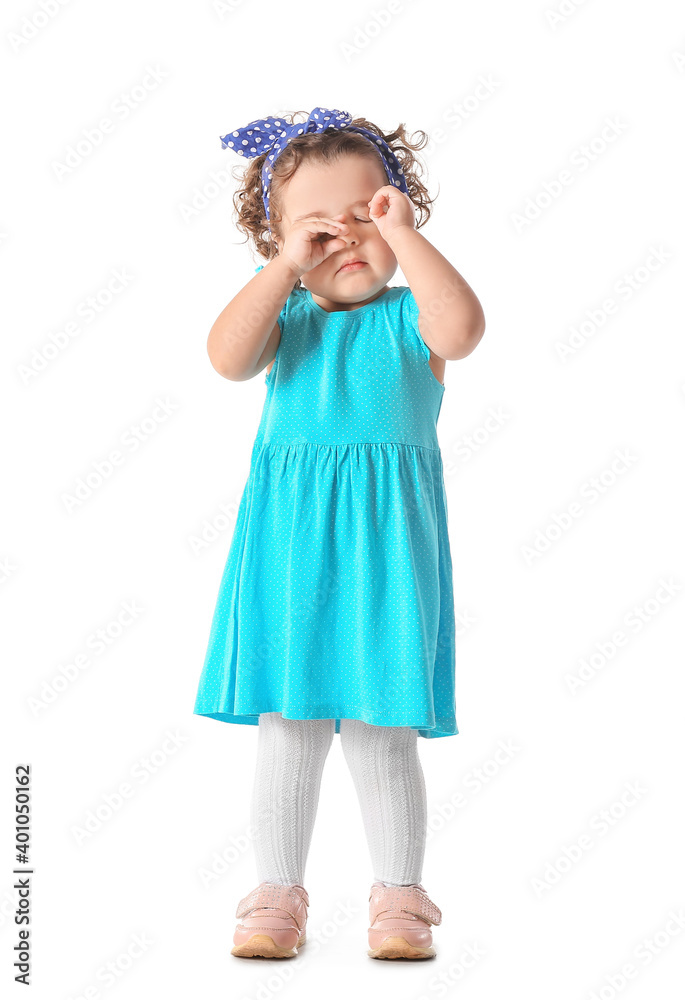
409	314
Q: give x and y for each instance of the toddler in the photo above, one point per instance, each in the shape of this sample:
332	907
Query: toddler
335	610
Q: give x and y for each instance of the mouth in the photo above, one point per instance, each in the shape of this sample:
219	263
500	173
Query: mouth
351	265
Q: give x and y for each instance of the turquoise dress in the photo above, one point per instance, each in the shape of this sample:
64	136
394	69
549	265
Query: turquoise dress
336	599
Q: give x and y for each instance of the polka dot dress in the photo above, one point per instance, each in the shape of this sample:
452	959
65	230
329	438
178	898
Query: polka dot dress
336	599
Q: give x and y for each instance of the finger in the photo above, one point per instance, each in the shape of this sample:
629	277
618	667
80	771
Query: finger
324	238
323	223
329	250
330	247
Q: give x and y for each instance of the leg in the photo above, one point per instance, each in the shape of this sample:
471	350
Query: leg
291	754
388	777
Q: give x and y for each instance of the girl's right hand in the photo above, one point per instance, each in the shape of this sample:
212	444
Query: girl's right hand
312	241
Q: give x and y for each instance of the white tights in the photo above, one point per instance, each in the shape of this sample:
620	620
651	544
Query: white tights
388	779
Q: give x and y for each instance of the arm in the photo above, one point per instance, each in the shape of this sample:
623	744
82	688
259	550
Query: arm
245	335
451	319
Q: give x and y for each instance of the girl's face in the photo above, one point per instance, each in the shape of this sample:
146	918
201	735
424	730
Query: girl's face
341	190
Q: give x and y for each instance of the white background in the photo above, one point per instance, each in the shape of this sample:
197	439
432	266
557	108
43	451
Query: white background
153	200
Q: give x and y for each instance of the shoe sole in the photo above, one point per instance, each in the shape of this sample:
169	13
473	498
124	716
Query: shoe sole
264	946
399	947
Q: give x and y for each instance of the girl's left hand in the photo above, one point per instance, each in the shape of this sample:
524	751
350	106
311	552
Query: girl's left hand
391	209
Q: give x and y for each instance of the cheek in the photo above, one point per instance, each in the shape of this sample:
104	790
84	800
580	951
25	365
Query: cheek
385	254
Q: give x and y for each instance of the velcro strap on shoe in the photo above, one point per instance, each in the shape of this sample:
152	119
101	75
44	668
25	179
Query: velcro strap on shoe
409	899
274	897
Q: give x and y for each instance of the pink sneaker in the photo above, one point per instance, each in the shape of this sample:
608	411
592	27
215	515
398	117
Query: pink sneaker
274	920
400	918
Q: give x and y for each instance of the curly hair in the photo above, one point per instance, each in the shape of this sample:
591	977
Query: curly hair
319	147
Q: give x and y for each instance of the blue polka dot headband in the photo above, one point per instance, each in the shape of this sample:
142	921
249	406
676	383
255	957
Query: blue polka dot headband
274	134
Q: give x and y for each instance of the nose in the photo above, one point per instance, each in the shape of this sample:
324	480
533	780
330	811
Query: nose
352	235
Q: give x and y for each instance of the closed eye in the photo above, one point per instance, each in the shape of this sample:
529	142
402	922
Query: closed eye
363	220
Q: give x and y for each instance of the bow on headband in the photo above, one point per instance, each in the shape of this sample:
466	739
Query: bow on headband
273	134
